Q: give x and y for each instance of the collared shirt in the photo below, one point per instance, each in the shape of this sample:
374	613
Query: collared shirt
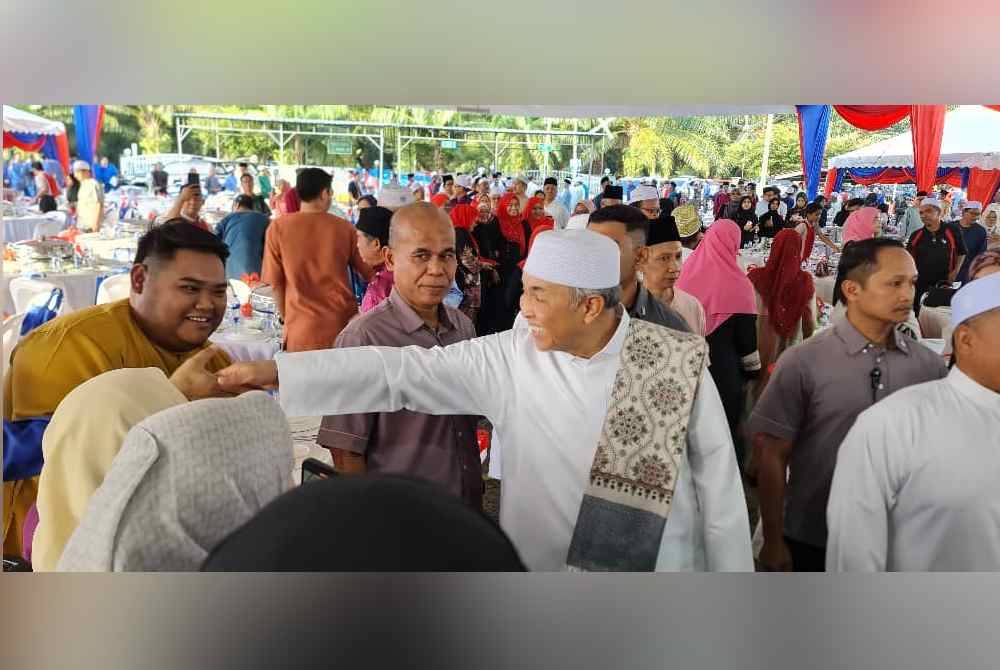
933	253
441	449
244	233
548	407
915	485
559	214
975	240
690	309
817	391
648	308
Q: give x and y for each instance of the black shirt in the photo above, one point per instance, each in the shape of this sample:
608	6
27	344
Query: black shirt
936	254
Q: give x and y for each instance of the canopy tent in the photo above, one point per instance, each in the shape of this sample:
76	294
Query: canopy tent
970	155
617	111
29	132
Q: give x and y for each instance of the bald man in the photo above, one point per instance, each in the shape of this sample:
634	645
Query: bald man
441	449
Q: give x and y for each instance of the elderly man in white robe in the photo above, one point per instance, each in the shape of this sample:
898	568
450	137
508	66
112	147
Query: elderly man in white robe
617	455
915	487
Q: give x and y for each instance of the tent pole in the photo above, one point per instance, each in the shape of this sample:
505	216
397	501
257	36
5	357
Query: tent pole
768	134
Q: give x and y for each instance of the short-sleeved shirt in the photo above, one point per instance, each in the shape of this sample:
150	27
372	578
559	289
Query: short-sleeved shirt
935	254
244	233
89	204
306	256
975	240
440	449
817	391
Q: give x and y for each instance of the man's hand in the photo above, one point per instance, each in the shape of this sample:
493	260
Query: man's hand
194	380
241	377
775	557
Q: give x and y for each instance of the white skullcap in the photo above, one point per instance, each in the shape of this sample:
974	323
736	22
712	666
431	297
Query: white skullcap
643	193
80	165
393	197
975	298
496	191
575	258
521	178
932	202
578	222
972	204
463	181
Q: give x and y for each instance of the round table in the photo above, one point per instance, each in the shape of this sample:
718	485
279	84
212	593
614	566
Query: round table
79	286
119	249
244	346
21	228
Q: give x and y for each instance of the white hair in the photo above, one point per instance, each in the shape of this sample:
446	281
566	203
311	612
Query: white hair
612	296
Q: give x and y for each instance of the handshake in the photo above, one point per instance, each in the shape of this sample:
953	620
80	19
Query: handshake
196	382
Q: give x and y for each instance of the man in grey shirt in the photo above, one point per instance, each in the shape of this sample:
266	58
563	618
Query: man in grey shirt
441	449
817	391
628	227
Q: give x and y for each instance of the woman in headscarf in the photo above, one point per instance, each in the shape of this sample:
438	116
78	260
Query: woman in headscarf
185	478
786	299
464	218
985	264
537	220
743	216
861	224
516	232
80	444
366	524
800	205
713	275
440	199
991	221
771	222
492	246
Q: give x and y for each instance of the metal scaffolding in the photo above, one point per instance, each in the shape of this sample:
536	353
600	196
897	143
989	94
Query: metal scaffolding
282	131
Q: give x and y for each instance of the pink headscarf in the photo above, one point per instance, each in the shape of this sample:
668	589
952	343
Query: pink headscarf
860	225
713	275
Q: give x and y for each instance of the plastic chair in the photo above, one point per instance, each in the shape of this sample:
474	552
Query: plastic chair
116	287
49	228
241	289
10	333
26	291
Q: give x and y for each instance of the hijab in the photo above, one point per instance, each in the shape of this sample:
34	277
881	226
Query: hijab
782	284
536	221
992	207
376	523
510	226
184	479
860	224
744	216
80	444
440	199
463	217
713	275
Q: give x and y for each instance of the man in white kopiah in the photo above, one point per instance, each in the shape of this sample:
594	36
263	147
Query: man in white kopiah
915	487
617	455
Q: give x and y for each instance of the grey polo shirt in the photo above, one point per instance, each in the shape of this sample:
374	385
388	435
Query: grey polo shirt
648	308
817	391
440	449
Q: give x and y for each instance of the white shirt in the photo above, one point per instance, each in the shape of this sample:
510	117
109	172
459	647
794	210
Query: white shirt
558	213
915	488
762	209
549	408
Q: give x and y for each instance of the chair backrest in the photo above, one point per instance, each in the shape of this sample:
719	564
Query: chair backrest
10	333
241	289
48	228
26	292
116	287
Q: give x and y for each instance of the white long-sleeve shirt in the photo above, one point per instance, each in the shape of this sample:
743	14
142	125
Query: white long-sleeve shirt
915	487
558	213
549	408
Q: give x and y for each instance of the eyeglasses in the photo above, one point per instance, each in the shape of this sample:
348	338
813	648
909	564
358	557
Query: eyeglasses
651	212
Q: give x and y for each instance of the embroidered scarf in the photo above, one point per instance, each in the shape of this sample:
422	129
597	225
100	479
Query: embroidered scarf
632	480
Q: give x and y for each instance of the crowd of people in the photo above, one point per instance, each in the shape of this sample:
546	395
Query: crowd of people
638	382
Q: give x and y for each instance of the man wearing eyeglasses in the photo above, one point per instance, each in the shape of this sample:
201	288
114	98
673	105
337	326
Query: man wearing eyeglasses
819	388
646	199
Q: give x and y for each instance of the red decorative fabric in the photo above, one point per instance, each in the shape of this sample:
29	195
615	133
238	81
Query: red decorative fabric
872	117
10	141
782	284
906	176
995	108
983	185
927	128
62	150
831	179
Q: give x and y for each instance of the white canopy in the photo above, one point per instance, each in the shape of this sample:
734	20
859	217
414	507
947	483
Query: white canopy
19	121
971	139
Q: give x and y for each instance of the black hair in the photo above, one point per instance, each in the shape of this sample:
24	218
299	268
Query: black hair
47	204
855	202
772	189
370	199
801	194
813	208
605	180
244	200
871	199
859	261
631	217
245	175
447	178
550	180
244	165
746	197
775	201
163	242
311	182
539	193
37	165
884	208
921	194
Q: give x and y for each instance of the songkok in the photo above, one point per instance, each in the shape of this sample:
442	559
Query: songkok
972	204
977	297
81	165
662	230
613	192
374	222
575	258
687	219
931	202
578	222
394	197
464	181
643	193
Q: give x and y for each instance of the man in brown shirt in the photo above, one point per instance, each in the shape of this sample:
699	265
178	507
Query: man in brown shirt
306	255
818	389
441	449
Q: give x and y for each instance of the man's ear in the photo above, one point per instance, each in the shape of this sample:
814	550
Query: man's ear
387	255
139	275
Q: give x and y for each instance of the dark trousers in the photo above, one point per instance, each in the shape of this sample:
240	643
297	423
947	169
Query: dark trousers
805	557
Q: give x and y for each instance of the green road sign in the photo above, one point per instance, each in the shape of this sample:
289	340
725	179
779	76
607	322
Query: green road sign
545	147
339	146
449	144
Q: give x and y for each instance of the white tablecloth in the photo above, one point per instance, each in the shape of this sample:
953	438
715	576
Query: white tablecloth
824	288
246	347
121	249
20	228
933	321
79	288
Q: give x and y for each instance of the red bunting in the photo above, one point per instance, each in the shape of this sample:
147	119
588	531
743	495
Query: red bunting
927	129
873	117
983	185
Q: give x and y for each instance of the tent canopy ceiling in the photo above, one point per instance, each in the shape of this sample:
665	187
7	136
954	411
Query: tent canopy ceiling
604	111
18	121
971	140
